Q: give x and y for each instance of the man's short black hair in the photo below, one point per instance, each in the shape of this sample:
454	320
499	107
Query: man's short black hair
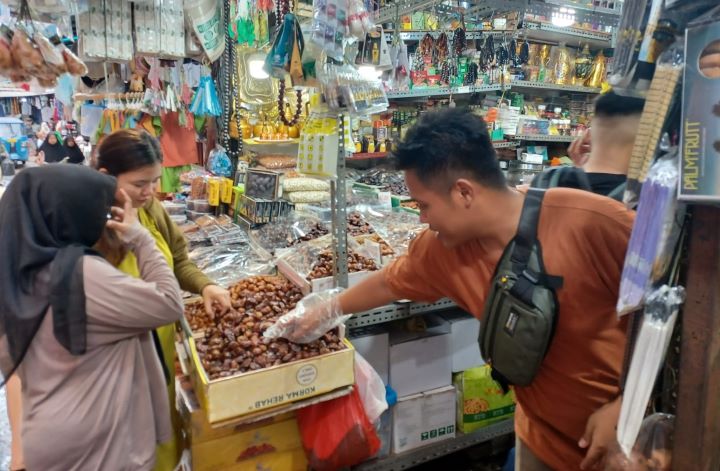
612	105
449	144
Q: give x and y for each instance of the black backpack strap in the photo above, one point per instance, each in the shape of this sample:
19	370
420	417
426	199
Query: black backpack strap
563	176
524	243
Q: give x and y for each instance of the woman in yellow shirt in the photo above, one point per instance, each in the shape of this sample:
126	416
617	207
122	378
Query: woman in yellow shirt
134	157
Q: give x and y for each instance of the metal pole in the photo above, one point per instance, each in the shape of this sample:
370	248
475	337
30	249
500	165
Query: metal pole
340	212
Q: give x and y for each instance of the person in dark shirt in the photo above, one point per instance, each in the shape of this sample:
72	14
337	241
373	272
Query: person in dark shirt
604	151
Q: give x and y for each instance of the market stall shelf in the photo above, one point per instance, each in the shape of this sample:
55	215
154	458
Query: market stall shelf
417	35
438	450
368	155
611	12
543	138
443	91
399	310
541	31
504	144
552	86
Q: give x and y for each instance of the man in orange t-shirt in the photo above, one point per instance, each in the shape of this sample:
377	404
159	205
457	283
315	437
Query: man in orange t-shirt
452	172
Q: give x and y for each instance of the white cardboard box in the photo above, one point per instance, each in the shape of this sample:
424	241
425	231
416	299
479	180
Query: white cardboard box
373	343
422	419
464	332
421	361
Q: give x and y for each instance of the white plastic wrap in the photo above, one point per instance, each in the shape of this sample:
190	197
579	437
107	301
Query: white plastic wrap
652	342
313	316
654	234
226	264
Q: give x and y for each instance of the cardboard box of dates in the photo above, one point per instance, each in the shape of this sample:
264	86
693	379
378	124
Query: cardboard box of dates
234	372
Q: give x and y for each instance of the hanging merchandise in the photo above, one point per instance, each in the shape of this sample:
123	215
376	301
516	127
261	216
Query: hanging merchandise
318	148
243	28
562	73
329	26
358	20
206	102
584	66
105	31
26	52
206	22
159	28
654	236
345	89
219	163
652	450
287	48
374	50
652	342
597	74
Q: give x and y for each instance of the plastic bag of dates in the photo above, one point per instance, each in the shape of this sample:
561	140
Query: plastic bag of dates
288	232
232	343
652	450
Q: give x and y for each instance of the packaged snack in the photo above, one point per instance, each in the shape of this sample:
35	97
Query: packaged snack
480	400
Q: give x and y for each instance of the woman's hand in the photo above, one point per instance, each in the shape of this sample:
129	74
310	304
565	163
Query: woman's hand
215	294
124	221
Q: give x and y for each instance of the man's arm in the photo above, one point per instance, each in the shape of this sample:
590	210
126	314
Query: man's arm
370	293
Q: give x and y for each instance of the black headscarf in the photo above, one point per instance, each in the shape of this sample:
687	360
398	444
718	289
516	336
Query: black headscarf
74	154
49	215
53	152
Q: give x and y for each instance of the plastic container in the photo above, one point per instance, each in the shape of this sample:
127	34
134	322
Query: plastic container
194	215
201	206
175	209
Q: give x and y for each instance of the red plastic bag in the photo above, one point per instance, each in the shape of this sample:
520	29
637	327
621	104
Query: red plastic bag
337	433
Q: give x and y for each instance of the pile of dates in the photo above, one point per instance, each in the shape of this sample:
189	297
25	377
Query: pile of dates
325	265
232	343
357	225
317	230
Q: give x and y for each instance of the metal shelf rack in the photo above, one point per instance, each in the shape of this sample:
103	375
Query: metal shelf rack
393	312
551	86
443	91
422	455
541	31
543	138
418	35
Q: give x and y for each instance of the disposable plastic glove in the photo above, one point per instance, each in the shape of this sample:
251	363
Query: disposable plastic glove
312	318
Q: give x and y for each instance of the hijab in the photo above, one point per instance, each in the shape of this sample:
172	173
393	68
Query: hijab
49	216
53	152
74	154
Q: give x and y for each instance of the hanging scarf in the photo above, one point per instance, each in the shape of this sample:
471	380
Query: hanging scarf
50	215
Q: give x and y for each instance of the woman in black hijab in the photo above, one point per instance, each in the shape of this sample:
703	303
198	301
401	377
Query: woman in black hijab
73	152
52	149
68	317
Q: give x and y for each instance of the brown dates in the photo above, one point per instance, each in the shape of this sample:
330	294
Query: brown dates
231	343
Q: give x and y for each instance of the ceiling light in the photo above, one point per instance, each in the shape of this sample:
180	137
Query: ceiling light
563	18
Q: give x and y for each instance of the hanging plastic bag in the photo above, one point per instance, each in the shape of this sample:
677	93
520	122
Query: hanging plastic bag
219	163
654	236
297	75
371	388
652	450
337	434
652	342
329	26
205	18
206	102
277	63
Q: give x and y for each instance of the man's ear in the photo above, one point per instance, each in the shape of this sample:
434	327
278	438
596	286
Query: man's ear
103	170
466	191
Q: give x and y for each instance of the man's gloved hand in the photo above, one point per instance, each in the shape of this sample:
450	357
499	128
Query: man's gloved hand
313	316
